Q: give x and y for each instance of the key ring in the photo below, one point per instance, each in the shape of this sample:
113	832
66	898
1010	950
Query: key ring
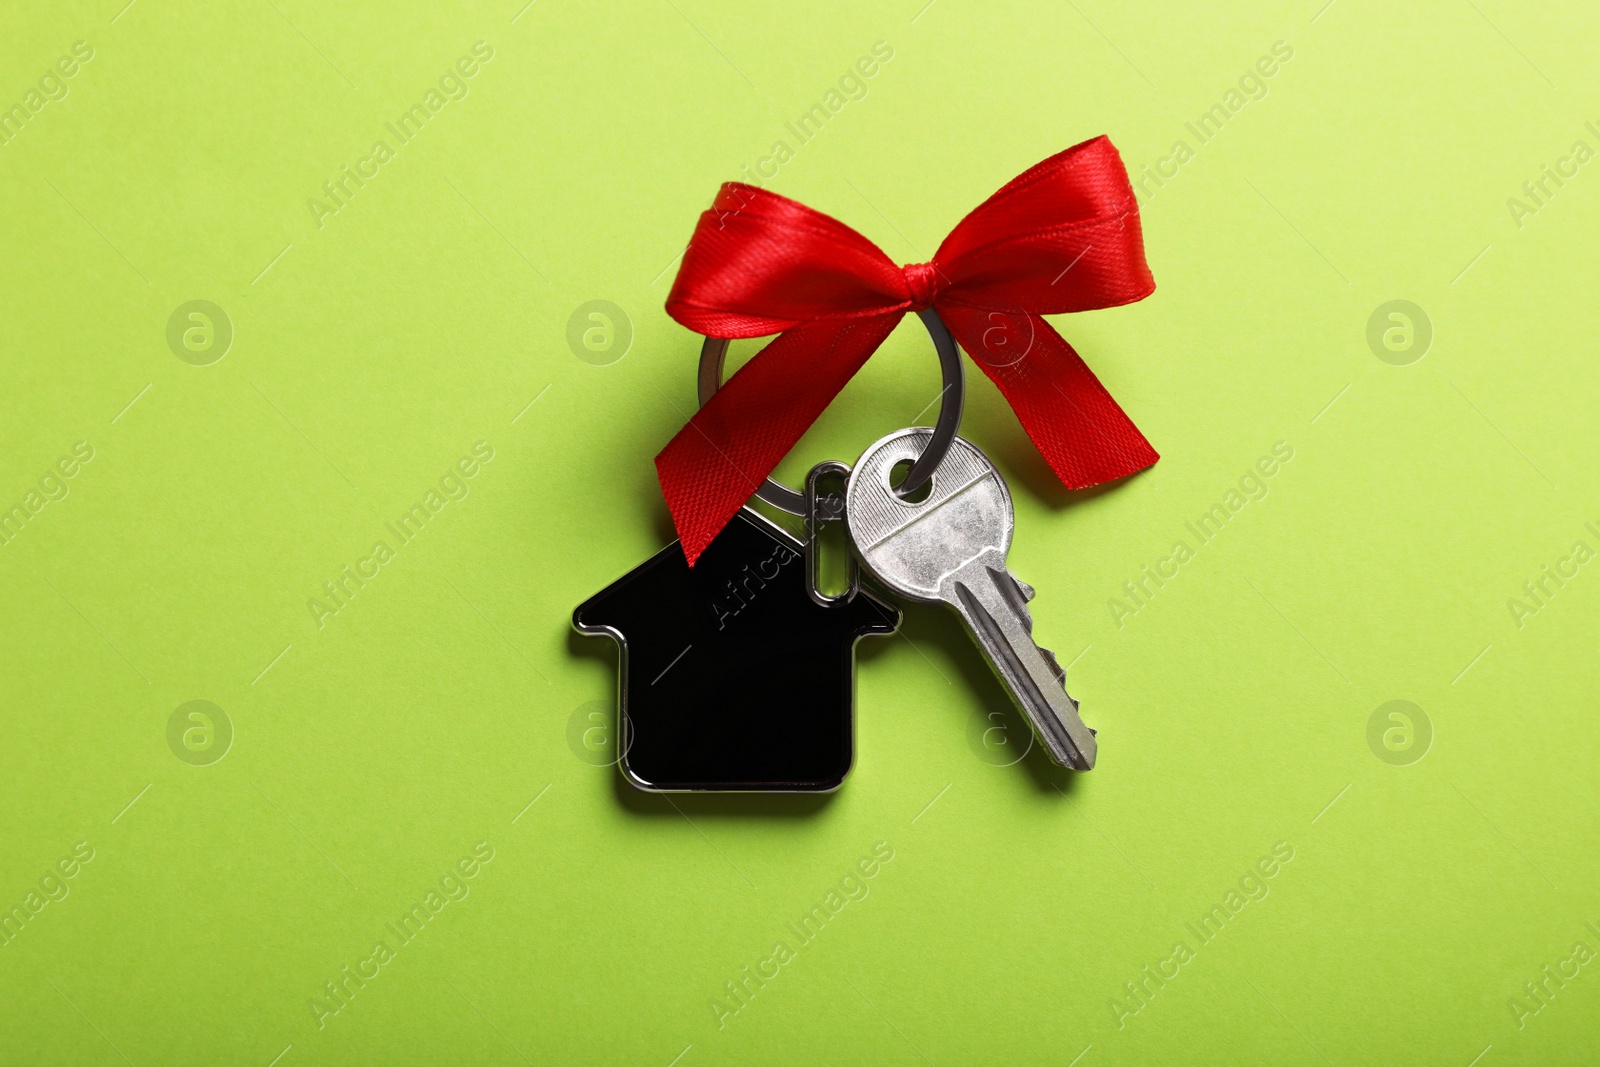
952	396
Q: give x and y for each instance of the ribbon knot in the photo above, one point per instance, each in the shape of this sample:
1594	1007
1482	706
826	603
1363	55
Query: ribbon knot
1062	236
922	279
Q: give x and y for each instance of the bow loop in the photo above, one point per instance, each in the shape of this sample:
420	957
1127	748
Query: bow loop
760	263
1062	236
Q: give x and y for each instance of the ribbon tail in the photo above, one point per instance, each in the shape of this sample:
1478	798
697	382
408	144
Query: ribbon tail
717	462
1080	430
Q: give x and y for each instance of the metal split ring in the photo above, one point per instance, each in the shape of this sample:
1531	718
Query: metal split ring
780	496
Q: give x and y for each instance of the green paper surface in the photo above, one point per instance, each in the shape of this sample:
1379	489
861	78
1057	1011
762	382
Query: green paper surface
1274	862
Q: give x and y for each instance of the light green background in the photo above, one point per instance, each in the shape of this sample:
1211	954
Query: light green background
371	754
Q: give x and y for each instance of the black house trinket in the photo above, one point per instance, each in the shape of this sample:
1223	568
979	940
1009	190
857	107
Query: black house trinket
732	676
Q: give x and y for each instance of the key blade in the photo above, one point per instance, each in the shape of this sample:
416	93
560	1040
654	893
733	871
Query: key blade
1018	594
988	600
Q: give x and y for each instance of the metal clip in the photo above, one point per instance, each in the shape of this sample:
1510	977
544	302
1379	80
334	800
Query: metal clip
820	510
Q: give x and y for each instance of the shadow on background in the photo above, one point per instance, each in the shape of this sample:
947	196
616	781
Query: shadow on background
1017	454
942	641
939	639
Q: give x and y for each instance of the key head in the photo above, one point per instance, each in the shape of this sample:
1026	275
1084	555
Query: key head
913	547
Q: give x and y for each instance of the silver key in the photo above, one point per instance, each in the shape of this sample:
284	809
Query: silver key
951	547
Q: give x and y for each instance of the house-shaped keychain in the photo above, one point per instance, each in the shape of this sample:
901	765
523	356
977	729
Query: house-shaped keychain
732	676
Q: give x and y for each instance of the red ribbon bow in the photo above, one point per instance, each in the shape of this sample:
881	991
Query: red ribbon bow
1062	236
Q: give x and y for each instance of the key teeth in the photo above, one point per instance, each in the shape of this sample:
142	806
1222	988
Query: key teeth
1055	667
1018	593
1061	676
1028	593
1014	591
